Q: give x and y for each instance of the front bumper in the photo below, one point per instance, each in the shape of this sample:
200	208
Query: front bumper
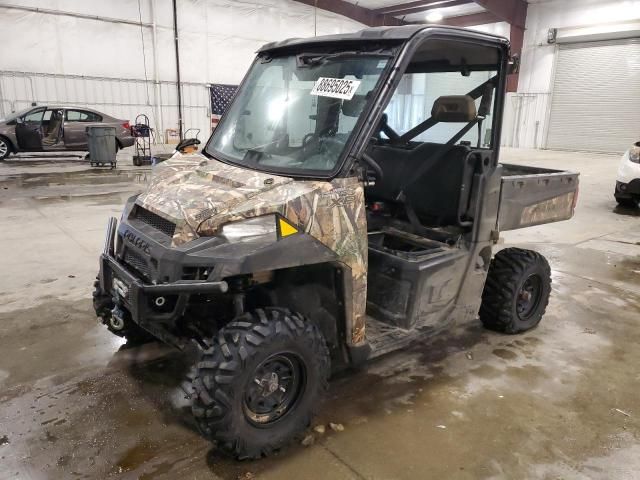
628	190
141	299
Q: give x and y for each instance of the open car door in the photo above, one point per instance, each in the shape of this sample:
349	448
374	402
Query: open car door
29	130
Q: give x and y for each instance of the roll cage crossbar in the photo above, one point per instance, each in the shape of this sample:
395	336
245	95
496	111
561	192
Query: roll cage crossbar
484	90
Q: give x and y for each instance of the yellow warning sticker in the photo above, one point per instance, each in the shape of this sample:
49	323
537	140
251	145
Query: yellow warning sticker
286	229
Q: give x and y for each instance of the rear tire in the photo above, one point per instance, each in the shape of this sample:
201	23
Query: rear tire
257	386
516	292
5	148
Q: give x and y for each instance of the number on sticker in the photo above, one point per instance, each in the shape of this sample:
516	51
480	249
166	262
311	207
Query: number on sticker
335	88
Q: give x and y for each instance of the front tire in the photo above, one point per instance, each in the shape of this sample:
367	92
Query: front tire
516	292
258	385
5	148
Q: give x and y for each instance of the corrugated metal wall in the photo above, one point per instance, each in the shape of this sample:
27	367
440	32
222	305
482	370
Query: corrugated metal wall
596	96
122	98
106	55
525	120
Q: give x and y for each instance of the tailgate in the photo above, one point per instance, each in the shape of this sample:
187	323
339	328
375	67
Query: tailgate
533	196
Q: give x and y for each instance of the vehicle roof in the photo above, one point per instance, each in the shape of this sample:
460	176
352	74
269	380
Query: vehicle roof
382	34
68	107
71	107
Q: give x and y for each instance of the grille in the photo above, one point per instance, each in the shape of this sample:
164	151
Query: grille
136	261
156	221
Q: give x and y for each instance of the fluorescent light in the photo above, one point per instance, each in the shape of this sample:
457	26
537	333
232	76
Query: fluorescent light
434	17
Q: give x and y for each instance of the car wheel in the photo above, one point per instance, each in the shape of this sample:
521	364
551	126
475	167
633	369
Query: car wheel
516	292
5	148
258	385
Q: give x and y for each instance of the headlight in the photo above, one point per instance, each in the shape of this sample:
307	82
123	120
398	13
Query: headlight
251	229
634	154
265	228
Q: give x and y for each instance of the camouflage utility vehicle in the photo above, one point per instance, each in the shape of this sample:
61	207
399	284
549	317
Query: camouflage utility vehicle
348	201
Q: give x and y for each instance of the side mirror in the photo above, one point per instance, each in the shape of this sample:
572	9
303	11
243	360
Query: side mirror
189	145
514	64
19	120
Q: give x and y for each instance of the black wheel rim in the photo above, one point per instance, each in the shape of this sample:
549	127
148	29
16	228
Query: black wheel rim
528	297
274	388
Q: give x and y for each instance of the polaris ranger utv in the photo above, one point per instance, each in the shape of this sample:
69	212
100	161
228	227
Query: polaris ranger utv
347	203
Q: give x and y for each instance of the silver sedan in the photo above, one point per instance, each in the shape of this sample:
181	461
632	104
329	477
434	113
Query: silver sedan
52	129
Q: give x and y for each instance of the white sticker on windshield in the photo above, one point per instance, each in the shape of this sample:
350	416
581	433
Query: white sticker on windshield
335	88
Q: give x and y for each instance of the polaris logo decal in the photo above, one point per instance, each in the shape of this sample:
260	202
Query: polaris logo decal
137	242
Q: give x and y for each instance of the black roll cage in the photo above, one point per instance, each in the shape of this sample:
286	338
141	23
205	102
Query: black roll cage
478	92
369	120
371	116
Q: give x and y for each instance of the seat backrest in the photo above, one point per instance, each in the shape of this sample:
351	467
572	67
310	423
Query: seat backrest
435	196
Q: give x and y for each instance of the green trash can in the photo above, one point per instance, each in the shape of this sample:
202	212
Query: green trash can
102	146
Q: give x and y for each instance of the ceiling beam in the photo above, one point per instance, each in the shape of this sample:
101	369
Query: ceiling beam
425	4
468	20
354	12
512	11
516	38
426	8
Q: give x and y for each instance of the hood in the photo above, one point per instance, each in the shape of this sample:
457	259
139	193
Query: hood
192	189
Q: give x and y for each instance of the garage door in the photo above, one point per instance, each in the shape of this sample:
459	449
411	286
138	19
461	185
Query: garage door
596	96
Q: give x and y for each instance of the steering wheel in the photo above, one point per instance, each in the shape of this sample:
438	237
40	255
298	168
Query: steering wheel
313	140
308	138
375	166
331	141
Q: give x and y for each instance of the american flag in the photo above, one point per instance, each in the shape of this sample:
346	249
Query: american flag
221	96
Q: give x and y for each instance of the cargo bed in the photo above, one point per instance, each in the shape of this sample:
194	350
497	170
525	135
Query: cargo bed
533	196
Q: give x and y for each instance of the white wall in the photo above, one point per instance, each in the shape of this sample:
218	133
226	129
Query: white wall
64	59
527	112
45	56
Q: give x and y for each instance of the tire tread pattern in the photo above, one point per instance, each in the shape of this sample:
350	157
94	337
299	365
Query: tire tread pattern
506	272
220	367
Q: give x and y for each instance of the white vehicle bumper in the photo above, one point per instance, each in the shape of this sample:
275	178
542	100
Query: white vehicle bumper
628	178
627	170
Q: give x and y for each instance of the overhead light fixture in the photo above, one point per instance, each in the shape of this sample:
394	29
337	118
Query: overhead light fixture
434	17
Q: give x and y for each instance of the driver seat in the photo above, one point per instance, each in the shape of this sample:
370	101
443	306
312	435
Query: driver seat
53	130
433	191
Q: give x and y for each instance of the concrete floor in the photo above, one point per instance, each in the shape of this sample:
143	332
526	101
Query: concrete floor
558	402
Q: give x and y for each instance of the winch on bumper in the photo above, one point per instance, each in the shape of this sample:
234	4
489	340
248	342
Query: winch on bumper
145	303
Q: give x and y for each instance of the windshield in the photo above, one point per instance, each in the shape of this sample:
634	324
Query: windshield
14	115
295	114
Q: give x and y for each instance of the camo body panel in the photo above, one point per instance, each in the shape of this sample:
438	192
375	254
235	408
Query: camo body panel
201	195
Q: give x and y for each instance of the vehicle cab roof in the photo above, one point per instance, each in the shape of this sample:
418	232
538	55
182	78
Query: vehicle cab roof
376	35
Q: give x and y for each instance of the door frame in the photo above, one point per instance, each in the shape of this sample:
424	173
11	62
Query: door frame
21	123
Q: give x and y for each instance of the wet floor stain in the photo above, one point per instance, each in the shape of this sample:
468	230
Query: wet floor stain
134	457
72	179
76	403
505	354
122	417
